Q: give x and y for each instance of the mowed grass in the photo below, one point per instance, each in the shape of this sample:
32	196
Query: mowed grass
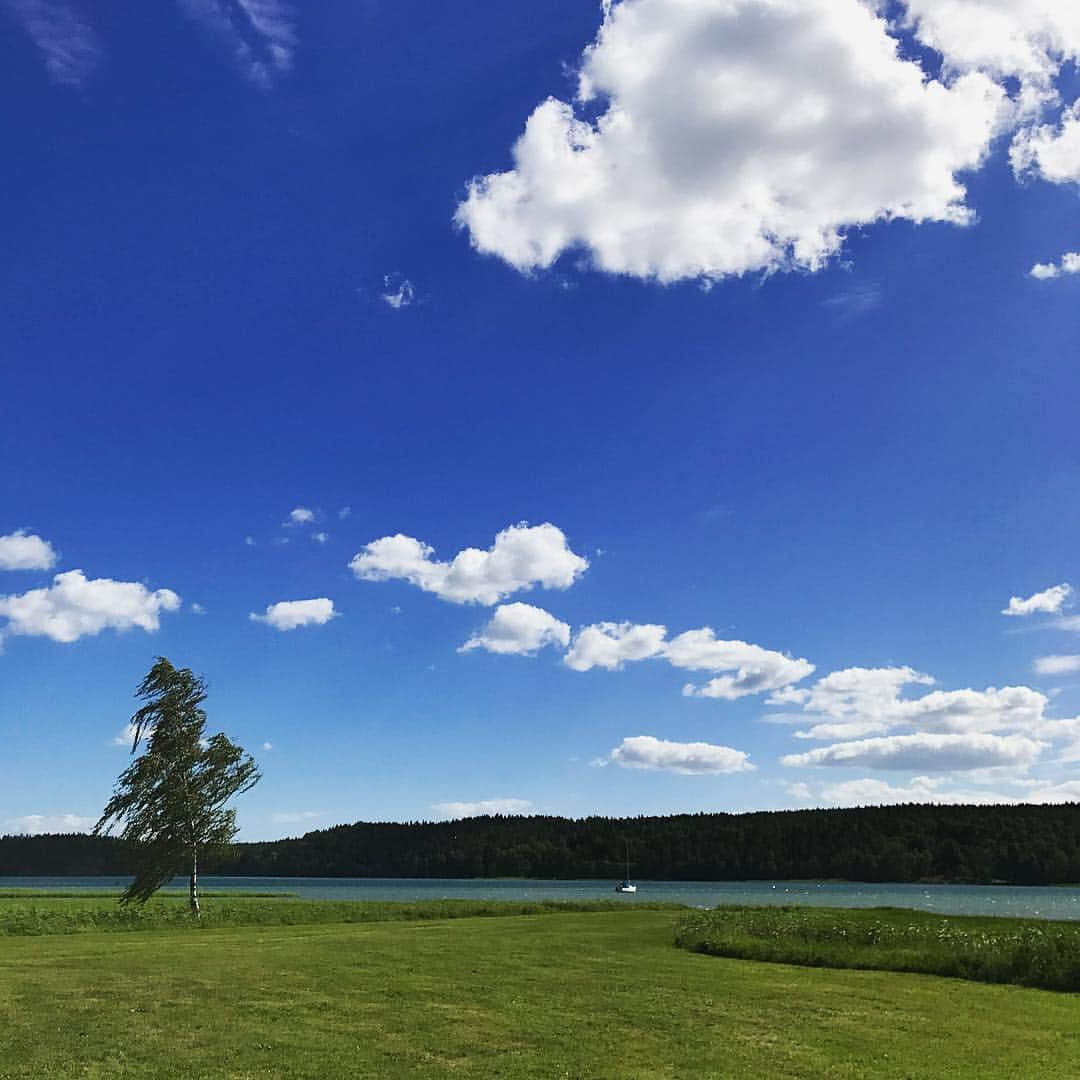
1027	952
33	914
593	994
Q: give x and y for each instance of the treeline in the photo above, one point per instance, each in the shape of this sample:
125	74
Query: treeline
1031	845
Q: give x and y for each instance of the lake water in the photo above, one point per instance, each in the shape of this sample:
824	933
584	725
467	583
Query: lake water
1043	902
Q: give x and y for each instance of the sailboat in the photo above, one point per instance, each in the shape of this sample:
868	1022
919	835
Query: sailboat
626	885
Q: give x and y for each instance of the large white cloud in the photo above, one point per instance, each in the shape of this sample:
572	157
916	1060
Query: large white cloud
1028	39
1046	602
661	755
521	557
21	550
610	645
520	629
925	752
74	606
755	669
733	136
482	807
921	789
290	614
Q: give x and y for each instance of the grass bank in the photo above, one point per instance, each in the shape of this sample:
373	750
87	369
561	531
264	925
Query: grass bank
595	994
1025	952
73	913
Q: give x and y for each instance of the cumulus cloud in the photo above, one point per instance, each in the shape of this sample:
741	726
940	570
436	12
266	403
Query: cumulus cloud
1069	264
690	758
1057	665
610	645
1048	602
259	34
300	515
69	46
520	629
21	550
37	824
521	557
1025	39
755	669
719	137
74	607
1069	791
290	614
1051	151
925	752
482	808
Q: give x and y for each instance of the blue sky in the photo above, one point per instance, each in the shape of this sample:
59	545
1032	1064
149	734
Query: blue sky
772	322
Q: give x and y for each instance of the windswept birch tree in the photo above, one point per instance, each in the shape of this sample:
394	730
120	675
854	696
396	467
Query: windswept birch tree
170	802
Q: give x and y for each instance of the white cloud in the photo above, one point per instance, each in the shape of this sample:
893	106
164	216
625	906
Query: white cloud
290	614
733	137
925	752
1048	601
799	791
68	44
260	34
1057	665
1028	39
1069	791
73	607
482	808
521	557
320	537
921	789
1052	152
344	512
520	629
21	550
296	817
755	669
691	758
300	515
1069	264
36	824
268	746
126	738
398	292
610	645
196	609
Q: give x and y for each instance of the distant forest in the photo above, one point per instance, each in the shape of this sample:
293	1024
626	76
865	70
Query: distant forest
1029	845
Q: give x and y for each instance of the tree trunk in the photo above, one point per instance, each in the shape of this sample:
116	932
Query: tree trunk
194	885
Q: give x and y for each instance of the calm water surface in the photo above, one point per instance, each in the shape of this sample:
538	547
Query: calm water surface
1044	902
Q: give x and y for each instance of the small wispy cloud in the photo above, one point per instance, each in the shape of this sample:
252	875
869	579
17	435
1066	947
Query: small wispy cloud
296	817
301	515
260	34
398	291
69	46
854	301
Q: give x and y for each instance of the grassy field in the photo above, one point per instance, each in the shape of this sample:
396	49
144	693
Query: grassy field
1027	952
590	994
33	914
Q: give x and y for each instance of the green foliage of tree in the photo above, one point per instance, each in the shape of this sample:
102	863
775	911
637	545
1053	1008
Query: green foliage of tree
170	802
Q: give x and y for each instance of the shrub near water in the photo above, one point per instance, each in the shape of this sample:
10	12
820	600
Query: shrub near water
1036	953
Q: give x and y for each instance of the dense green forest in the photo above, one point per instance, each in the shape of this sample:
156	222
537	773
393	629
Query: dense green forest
1032	845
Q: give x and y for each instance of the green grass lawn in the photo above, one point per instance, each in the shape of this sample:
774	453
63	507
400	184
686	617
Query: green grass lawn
593	994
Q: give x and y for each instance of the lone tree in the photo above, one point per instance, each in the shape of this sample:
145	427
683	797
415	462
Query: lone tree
171	800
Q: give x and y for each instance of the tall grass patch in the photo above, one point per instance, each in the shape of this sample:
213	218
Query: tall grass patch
1025	952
